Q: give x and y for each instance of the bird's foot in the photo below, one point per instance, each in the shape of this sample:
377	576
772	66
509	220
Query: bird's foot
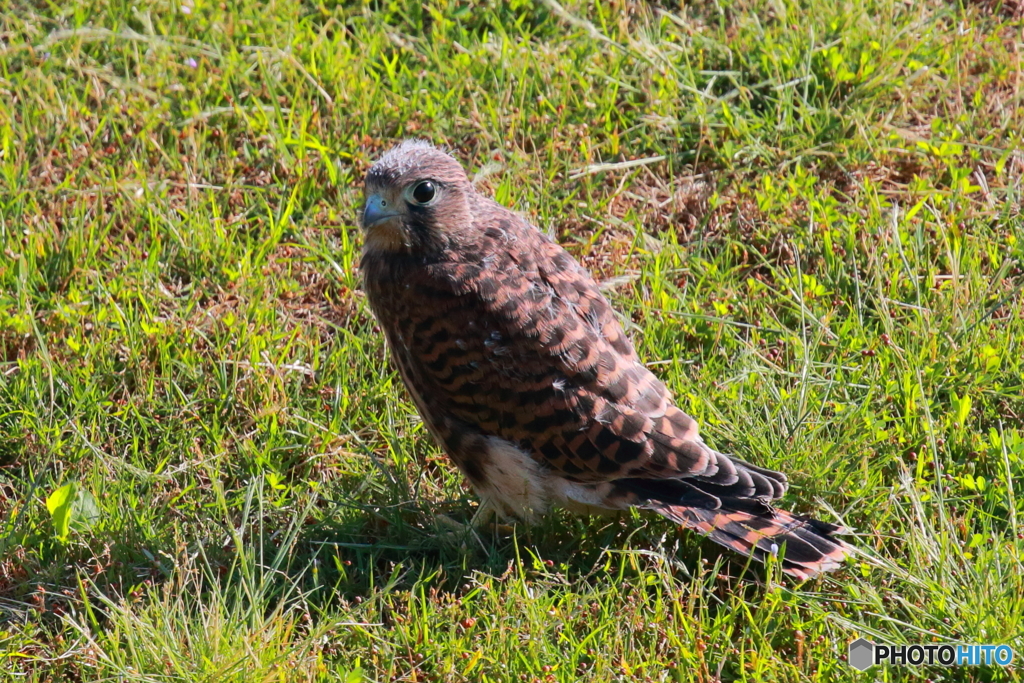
489	518
485	520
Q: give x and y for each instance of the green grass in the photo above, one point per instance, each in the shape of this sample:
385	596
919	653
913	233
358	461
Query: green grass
820	252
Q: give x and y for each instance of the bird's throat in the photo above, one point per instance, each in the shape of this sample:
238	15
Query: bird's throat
386	238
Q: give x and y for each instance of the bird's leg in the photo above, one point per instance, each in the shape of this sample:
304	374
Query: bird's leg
458	532
488	517
484	515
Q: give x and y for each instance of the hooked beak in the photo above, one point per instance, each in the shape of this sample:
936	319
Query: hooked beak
376	211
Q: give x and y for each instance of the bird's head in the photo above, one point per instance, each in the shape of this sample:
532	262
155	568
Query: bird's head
417	198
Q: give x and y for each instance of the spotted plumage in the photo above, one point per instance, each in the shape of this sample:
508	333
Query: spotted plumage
520	369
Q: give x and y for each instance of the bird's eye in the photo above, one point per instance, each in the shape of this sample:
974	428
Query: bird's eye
424	192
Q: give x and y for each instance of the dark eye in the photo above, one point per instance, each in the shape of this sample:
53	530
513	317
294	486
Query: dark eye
423	192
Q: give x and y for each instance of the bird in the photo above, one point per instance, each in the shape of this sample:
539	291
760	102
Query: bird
520	369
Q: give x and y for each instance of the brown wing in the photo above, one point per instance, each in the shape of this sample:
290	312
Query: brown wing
520	343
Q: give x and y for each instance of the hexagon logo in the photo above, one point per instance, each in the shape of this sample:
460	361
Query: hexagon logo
861	655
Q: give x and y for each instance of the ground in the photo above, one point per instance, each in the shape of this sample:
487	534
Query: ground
809	215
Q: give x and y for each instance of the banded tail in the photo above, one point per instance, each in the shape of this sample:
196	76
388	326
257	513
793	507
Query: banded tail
805	546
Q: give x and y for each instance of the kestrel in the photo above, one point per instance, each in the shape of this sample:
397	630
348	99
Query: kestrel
521	371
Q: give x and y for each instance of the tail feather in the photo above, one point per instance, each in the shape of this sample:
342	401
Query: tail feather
805	546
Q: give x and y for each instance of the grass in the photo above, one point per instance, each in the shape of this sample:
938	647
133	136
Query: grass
818	248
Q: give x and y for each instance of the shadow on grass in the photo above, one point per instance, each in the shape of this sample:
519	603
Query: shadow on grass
362	551
328	549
